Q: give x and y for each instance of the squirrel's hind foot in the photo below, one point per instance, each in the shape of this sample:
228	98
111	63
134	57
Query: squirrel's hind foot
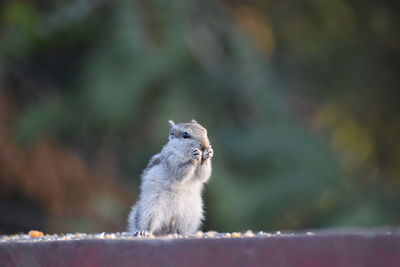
141	233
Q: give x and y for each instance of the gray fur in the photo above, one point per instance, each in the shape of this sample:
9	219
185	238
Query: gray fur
170	198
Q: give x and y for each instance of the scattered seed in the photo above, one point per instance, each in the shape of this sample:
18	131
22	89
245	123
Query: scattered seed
211	234
199	234
34	233
249	233
101	235
236	234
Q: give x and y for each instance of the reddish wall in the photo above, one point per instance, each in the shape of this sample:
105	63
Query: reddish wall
277	251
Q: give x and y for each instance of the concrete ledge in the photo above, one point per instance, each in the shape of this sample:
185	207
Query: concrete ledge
278	251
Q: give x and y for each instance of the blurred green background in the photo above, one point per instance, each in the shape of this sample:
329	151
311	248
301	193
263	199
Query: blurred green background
300	100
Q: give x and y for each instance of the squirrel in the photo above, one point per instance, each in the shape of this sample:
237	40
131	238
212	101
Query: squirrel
170	199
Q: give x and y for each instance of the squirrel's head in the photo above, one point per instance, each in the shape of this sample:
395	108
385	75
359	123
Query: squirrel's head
191	133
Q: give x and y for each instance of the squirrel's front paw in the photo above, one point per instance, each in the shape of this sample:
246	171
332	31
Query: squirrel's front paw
195	153
208	153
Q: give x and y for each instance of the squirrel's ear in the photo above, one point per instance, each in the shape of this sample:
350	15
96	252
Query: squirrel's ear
171	123
193	121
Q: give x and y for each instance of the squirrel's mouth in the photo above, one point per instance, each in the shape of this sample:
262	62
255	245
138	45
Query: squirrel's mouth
204	144
203	147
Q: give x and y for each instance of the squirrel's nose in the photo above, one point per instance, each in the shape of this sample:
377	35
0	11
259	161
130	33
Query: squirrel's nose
204	144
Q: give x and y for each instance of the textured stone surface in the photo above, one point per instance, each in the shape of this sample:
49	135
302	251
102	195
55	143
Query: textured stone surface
277	250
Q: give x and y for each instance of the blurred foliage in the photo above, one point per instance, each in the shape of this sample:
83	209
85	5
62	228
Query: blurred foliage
300	100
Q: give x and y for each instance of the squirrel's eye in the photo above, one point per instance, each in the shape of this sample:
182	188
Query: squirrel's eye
185	135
